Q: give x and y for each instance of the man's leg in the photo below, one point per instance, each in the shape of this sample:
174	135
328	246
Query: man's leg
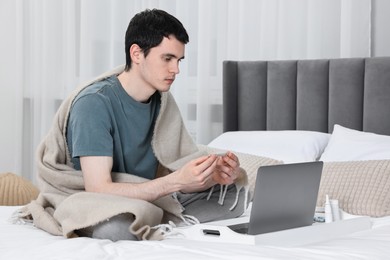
197	205
114	229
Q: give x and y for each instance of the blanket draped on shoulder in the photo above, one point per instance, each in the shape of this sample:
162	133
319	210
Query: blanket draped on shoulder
63	206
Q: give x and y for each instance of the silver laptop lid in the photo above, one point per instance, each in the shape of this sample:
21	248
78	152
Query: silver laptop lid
285	197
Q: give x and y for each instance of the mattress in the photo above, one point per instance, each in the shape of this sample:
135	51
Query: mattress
24	241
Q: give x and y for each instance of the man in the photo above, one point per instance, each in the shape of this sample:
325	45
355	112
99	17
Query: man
114	125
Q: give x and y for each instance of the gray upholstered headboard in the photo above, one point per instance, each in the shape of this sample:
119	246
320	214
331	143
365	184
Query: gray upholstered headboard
307	95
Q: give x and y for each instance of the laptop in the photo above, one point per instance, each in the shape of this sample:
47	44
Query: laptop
285	197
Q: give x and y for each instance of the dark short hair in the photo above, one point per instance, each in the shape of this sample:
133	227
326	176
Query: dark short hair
148	28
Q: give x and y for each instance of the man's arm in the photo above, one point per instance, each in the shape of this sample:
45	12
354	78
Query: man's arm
194	176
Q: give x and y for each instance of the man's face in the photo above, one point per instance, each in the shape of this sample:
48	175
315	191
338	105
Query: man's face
159	68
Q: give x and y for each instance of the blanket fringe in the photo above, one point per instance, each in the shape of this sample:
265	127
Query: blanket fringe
236	200
190	220
18	219
168	230
222	195
165	228
210	193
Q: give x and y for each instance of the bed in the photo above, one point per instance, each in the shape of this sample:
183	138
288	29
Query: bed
292	111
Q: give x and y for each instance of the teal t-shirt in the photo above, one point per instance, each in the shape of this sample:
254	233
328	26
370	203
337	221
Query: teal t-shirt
105	121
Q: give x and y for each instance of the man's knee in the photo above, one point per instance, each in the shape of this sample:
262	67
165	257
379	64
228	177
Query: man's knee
115	228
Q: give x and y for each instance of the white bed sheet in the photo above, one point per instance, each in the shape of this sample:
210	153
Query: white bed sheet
27	242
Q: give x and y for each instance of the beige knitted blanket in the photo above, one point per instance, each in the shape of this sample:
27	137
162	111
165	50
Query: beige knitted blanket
64	207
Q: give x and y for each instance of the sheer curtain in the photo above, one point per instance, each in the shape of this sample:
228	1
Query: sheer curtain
48	47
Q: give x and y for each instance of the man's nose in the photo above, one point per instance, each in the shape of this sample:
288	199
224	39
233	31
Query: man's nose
175	68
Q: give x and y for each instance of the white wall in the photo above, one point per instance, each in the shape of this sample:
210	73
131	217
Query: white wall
10	159
10	106
380	44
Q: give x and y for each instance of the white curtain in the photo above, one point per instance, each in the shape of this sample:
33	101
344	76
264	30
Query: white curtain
48	47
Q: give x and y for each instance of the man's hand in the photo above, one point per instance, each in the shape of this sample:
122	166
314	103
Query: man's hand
227	169
196	175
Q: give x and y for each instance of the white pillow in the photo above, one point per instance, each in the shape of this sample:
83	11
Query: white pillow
288	145
352	145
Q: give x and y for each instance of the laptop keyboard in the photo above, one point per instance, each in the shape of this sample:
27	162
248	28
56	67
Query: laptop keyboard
240	228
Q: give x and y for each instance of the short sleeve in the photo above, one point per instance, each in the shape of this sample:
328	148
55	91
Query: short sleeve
90	127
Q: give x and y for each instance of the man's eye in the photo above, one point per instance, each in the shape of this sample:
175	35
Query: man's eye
168	59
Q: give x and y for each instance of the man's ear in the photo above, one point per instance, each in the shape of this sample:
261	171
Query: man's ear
135	53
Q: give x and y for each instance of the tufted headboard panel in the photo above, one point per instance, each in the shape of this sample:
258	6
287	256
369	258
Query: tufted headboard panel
307	94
